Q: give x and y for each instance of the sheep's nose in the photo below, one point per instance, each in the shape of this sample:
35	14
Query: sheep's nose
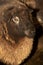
29	33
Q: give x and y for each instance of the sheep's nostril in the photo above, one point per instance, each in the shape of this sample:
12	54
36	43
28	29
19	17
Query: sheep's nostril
16	19
29	33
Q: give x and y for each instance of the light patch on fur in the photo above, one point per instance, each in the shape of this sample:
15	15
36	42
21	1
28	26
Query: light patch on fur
15	54
40	20
16	20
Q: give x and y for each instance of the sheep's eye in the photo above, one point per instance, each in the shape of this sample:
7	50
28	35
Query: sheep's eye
16	19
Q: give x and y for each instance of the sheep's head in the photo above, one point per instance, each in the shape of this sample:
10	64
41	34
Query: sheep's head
19	21
18	26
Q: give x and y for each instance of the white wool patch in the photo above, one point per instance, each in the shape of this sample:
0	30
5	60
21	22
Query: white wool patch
16	20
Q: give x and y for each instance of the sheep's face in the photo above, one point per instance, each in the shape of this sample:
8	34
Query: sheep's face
18	21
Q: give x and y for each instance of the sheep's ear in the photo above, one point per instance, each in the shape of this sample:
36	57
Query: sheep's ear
36	10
